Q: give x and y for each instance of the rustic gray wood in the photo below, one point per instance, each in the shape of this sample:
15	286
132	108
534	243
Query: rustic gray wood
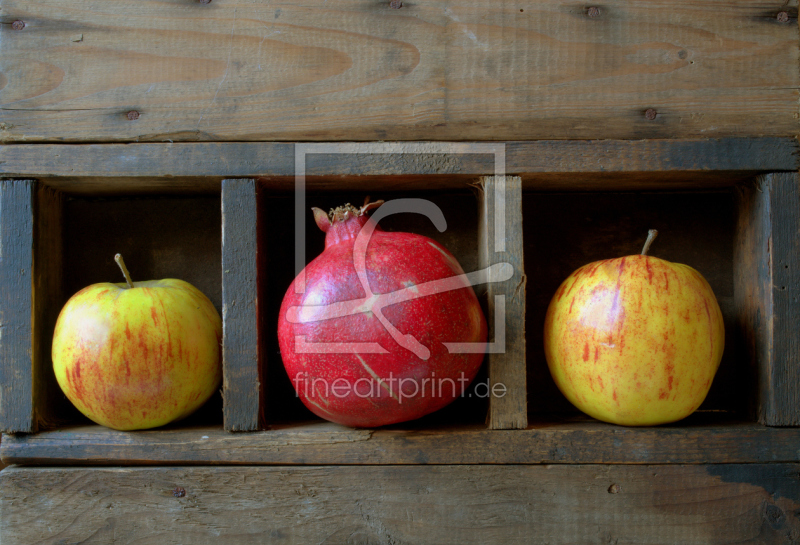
500	241
390	504
696	440
783	407
242	281
200	167
17	409
360	70
767	284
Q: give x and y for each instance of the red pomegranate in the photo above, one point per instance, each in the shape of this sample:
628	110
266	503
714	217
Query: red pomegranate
365	329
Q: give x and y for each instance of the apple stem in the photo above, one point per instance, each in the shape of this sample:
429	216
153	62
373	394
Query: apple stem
651	236
121	263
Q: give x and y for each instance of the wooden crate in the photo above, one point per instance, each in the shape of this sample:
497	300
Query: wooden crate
205	100
728	207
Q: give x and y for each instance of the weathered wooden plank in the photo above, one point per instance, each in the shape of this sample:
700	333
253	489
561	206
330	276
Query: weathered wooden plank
390	504
311	70
201	166
767	293
696	440
500	242
752	275
242	355
17	411
784	381
50	404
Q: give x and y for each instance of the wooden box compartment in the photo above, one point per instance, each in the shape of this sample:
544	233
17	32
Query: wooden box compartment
159	237
569	230
460	208
571	203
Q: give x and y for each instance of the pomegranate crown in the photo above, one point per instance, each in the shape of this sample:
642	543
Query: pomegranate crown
342	213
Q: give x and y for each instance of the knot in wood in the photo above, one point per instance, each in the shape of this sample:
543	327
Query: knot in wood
774	515
593	12
179	492
19	24
396	4
783	17
133	115
650	114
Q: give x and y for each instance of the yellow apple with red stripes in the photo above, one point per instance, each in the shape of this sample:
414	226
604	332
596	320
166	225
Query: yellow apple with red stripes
136	356
635	340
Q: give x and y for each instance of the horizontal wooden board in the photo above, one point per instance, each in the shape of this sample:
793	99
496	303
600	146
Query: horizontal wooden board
599	164
179	70
692	441
749	503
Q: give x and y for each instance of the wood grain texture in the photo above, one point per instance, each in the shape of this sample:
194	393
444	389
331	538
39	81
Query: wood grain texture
390	505
752	280
700	439
17	411
500	241
438	70
242	386
50	405
784	391
200	167
767	294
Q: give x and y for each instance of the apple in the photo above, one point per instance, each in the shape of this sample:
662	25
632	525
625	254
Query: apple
137	357
634	340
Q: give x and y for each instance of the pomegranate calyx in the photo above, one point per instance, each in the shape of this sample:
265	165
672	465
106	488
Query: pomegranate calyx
347	211
369	206
343	213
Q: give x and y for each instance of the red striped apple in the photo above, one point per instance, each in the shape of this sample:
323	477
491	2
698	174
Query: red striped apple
634	340
136	357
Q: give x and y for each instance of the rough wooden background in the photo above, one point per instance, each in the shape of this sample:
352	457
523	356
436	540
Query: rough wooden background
72	70
390	505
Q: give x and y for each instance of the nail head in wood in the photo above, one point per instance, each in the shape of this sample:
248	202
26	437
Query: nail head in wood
614	489
204	1
650	114
783	17
19	24
396	4
179	492
593	12
133	115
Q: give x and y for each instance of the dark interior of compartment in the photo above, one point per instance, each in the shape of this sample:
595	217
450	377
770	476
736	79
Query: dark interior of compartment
460	210
159	237
563	231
